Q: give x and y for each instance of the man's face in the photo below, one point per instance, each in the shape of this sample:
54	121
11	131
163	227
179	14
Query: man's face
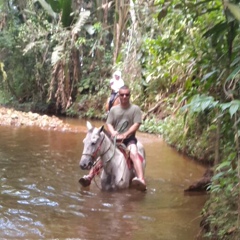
124	95
116	77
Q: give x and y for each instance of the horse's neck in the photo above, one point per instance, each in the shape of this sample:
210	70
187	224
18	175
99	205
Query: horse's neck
109	151
114	163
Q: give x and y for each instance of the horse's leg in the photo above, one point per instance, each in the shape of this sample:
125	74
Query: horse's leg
124	173
107	182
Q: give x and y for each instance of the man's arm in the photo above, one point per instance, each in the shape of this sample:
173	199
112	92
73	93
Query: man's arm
111	129
130	131
124	135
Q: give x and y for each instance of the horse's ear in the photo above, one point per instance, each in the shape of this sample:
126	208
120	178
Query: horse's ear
100	129
89	126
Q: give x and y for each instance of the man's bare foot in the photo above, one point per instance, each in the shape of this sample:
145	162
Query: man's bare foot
138	184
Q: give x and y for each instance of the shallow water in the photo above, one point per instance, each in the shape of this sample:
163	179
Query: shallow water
41	198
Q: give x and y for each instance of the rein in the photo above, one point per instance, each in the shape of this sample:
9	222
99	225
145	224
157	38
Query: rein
107	148
121	129
94	154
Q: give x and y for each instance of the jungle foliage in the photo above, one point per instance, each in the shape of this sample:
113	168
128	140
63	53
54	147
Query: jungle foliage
180	58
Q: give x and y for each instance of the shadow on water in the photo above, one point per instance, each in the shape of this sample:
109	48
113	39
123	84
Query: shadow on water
41	198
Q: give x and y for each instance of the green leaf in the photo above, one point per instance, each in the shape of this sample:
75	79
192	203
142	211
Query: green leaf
216	29
234	9
48	8
208	75
233	73
201	102
223	165
220	174
55	4
235	106
235	61
67	18
224	106
206	104
162	14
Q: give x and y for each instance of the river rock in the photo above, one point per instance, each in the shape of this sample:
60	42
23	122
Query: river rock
11	117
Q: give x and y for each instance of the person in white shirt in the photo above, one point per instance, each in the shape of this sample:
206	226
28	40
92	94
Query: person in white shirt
115	83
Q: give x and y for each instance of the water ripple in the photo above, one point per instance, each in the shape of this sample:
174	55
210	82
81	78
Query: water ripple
43	201
14	192
19	226
41	197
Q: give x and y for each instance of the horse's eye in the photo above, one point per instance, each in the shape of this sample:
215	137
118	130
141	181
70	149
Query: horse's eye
93	143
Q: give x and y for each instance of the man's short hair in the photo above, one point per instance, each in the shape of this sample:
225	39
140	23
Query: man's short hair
125	87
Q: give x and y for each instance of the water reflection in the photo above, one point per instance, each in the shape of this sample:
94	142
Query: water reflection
41	198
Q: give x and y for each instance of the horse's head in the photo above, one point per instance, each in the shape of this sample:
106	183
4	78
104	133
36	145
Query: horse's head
92	143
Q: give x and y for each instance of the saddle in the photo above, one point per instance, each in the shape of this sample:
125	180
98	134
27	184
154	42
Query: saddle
126	154
113	97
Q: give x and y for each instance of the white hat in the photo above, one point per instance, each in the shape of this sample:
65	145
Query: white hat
118	73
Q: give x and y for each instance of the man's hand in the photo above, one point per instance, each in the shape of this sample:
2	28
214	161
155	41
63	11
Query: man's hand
114	133
121	136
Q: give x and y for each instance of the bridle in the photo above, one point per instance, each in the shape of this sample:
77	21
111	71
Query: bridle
95	153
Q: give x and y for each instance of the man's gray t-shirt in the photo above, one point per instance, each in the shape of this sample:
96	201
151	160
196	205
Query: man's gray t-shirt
120	117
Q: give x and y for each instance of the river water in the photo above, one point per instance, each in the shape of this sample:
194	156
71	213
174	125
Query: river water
41	198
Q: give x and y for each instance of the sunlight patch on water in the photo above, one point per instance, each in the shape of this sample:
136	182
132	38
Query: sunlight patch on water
108	205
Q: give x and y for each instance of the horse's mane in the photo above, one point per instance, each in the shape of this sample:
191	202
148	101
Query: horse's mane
107	133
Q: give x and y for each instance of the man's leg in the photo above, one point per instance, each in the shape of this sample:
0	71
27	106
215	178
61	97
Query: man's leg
139	181
111	100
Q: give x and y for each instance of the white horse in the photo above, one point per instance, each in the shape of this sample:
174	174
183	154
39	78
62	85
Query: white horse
117	172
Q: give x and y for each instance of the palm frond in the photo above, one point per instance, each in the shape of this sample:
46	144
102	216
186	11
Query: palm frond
57	54
83	16
29	47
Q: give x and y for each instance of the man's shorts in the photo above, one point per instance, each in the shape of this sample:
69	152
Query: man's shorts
131	140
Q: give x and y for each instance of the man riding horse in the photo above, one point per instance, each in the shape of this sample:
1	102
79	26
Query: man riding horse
123	122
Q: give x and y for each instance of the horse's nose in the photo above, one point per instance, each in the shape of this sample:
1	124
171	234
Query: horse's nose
83	166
